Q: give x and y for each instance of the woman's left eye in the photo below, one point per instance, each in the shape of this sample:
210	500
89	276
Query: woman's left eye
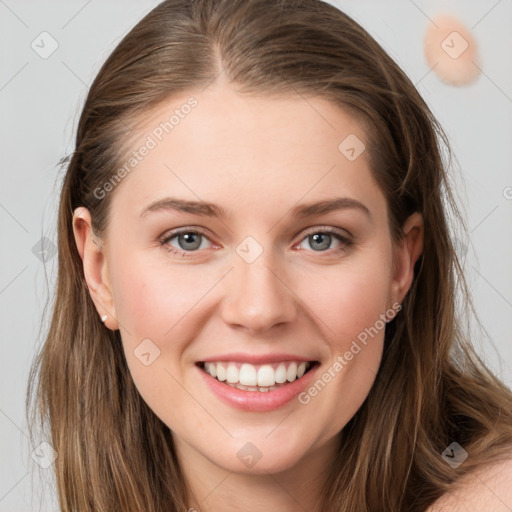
189	241
322	239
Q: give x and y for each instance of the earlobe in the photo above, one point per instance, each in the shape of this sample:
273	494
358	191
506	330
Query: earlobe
95	266
407	254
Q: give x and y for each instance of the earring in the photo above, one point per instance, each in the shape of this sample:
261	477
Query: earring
103	318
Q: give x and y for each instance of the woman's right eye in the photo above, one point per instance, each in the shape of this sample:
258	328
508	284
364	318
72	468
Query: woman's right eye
187	241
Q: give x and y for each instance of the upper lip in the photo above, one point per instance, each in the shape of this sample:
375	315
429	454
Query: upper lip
254	358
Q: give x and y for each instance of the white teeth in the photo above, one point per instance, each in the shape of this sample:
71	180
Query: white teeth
221	372
291	373
266	376
249	377
281	374
253	388
232	374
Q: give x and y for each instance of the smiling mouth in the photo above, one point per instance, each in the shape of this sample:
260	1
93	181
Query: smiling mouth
254	377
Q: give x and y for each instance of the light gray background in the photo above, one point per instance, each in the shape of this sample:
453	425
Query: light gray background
39	107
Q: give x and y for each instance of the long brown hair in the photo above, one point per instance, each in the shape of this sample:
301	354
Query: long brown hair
431	389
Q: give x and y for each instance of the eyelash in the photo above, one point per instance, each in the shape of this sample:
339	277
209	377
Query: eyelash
167	237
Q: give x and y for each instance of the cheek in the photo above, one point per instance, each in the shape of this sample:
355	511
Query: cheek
350	303
351	297
154	305
149	296
151	299
359	326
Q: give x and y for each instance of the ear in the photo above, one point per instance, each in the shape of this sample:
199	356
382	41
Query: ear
406	254
92	253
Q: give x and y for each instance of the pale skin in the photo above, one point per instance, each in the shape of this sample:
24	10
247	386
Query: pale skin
487	489
257	158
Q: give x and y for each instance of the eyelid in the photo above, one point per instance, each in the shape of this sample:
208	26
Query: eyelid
327	229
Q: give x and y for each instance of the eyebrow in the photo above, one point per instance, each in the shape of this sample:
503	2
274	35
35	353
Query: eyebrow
212	210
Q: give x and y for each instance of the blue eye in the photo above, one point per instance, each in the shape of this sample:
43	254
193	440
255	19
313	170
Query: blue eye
190	241
323	238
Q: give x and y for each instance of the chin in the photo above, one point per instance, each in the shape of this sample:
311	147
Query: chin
270	464
260	457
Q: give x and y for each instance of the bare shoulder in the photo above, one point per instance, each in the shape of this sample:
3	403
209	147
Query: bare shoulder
484	490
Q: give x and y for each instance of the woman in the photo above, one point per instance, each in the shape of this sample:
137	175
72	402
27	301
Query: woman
256	300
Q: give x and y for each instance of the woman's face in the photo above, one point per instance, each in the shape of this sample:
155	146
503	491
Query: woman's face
284	263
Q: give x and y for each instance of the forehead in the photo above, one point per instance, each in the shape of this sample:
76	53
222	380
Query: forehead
217	142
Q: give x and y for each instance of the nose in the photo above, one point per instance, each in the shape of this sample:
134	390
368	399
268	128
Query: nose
259	297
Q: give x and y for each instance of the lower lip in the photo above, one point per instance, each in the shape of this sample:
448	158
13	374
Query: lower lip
258	400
